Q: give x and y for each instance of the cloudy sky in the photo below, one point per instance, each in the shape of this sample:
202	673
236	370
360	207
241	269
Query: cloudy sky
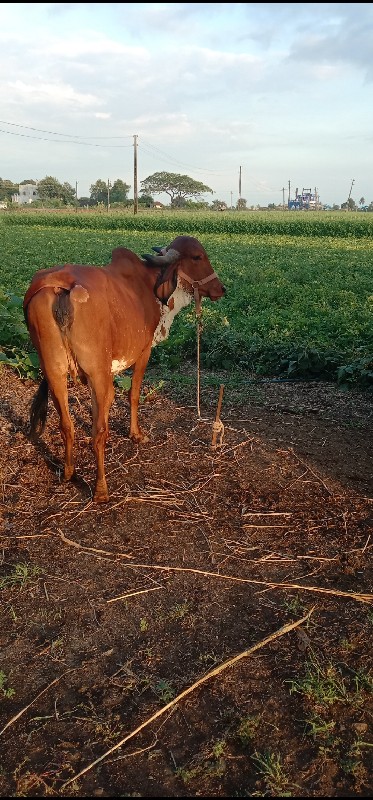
282	90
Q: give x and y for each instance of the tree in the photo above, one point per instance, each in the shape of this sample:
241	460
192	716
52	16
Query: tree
85	201
178	187
241	204
350	205
7	189
51	189
219	205
98	191
68	193
146	200
362	201
119	191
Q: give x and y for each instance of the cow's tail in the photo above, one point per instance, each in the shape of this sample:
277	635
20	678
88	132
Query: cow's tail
39	410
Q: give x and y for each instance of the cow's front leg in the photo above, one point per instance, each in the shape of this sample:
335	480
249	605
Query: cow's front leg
134	395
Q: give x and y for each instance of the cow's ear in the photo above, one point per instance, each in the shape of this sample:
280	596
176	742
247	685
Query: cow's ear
166	284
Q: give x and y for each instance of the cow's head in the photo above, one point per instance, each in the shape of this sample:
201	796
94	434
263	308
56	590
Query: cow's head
185	259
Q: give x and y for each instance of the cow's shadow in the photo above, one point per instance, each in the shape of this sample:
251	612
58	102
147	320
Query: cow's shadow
53	463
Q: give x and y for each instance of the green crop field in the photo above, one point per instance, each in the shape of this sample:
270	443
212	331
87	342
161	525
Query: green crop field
299	297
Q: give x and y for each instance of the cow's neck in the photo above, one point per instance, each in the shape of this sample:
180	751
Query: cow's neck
178	300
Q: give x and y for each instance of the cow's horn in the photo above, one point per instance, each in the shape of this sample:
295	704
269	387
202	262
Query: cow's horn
162	261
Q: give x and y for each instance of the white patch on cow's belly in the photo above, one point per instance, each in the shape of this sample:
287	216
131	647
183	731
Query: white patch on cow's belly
181	298
118	365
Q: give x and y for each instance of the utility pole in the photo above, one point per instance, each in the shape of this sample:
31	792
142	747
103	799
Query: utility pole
239	185
231	200
283	198
108	194
135	195
348	199
289	192
76	196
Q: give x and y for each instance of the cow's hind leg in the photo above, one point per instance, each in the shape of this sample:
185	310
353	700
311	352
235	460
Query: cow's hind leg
58	390
102	393
57	385
134	395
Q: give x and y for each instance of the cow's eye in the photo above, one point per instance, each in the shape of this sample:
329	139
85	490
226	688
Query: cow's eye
196	258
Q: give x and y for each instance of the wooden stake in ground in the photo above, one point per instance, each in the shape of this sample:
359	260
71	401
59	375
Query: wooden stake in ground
218	427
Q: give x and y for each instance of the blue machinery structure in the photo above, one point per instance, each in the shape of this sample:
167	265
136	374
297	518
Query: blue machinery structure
306	200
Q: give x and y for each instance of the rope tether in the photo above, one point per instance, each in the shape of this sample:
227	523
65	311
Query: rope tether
218	427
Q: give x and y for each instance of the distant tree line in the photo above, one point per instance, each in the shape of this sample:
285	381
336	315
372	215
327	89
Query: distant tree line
183	191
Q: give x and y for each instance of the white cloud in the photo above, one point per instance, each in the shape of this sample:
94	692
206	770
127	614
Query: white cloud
91	44
50	94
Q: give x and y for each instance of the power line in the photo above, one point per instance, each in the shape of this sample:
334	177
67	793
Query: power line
148	148
180	163
63	141
53	133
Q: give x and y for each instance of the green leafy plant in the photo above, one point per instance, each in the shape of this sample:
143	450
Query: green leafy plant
247	729
325	685
6	691
20	574
165	691
270	766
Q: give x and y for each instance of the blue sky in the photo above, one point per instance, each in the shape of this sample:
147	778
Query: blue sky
283	91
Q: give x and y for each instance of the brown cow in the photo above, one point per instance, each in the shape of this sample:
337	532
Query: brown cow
94	322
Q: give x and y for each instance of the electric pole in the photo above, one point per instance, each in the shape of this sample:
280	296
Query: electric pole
135	195
289	192
231	200
239	185
76	196
348	199
108	194
283	198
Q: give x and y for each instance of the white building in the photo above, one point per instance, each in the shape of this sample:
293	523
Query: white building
27	193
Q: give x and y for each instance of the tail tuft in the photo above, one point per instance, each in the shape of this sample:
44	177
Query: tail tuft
39	410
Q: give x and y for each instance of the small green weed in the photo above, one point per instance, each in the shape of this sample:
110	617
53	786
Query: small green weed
326	685
20	575
318	728
352	764
208	765
269	765
124	382
247	729
6	691
179	611
294	605
164	691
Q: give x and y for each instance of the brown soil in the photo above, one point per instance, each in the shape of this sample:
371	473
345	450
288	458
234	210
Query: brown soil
110	612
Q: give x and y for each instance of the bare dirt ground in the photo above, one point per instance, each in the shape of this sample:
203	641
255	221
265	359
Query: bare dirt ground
260	549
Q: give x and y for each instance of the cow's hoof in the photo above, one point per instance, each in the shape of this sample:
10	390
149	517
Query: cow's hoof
140	438
99	497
